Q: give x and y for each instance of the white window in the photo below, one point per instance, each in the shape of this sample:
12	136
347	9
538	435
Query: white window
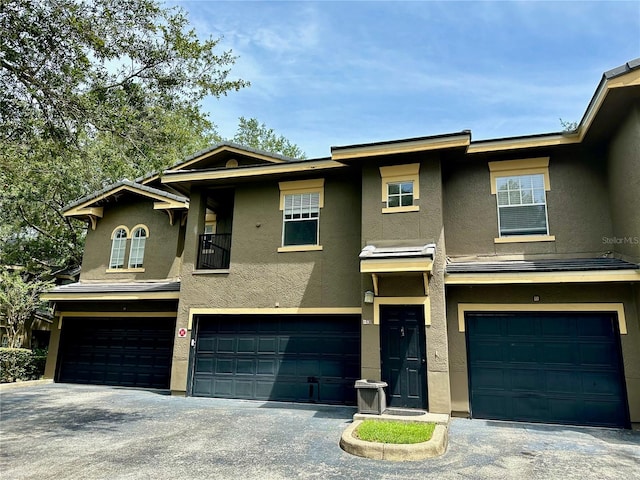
400	188
301	202
399	194
136	254
118	247
301	219
522	206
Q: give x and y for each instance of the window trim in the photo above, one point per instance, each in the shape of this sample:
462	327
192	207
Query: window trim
127	251
400	174
301	187
113	239
516	168
144	228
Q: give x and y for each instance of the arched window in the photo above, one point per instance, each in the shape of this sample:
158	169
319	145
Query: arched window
118	247
136	254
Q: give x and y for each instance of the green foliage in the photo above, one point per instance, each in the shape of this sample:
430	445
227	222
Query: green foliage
18	300
18	364
569	127
252	133
93	91
80	66
395	432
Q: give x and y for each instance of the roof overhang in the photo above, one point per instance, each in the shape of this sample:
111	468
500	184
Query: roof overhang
397	260
410	145
625	76
107	291
222	150
308	166
91	208
506	278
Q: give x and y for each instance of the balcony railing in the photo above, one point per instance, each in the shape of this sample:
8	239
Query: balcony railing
214	251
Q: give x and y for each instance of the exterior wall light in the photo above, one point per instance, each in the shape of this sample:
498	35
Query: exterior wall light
368	296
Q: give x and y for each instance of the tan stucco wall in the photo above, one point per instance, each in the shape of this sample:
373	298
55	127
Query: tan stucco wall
577	205
549	294
161	254
260	276
424	226
624	188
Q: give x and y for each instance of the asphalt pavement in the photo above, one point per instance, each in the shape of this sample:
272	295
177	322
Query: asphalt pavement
58	431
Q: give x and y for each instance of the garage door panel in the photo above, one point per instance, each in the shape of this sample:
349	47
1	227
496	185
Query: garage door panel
267	345
560	329
520	327
202	386
591	327
226	345
559	368
527	380
286	358
600	384
563	382
558	353
595	354
223	387
520	352
487	352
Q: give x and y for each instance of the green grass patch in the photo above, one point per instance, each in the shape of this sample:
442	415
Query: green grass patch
394	432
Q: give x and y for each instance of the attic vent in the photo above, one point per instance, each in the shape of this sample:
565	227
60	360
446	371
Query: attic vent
232	163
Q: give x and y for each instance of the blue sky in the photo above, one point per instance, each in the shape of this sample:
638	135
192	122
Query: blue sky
342	73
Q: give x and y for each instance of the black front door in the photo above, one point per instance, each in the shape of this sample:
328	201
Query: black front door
403	355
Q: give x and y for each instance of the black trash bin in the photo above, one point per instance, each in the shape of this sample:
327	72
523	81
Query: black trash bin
371	396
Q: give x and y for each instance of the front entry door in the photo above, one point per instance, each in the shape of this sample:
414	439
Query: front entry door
403	345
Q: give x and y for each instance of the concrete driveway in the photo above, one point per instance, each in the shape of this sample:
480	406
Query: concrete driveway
62	431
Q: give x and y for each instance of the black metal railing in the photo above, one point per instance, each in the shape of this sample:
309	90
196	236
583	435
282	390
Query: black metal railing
214	251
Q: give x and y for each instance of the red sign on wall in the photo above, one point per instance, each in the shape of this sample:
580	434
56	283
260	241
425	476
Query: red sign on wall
182	332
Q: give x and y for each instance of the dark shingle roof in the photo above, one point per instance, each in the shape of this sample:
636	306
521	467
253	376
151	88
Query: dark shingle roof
129	287
129	183
563	265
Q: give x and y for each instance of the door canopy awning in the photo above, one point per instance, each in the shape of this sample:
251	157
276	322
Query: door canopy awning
397	260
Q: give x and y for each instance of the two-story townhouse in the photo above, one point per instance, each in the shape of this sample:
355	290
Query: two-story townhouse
493	279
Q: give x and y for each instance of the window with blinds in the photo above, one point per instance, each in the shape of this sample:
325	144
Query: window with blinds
522	206
301	219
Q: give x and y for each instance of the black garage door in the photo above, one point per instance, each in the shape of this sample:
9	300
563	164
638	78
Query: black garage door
551	367
283	358
133	352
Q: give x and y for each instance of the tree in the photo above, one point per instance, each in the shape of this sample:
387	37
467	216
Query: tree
568	127
93	91
18	301
252	133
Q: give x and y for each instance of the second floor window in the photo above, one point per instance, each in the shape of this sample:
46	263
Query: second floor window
136	254
301	219
119	238
400	194
522	206
118	247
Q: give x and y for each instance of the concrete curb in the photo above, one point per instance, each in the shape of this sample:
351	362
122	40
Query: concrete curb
436	446
24	384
